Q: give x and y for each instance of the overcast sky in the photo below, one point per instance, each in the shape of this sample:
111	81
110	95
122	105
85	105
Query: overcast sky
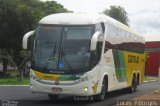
144	15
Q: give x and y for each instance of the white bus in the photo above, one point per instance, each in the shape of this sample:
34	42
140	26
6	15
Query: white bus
84	55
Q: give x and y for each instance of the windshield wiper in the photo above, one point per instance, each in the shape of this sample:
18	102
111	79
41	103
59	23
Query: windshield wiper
63	56
66	61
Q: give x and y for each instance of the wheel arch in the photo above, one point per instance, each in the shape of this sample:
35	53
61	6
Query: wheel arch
105	76
106	79
134	75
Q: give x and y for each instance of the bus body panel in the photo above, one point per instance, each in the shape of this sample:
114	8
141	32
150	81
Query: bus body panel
117	61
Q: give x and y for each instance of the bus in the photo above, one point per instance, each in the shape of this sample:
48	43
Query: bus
84	54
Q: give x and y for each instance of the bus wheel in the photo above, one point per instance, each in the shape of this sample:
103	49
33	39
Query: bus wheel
101	96
133	88
52	97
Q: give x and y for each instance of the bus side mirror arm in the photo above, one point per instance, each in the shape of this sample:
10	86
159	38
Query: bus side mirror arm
25	39
95	38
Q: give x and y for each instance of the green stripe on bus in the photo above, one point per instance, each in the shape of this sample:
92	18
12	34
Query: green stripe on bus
67	77
120	66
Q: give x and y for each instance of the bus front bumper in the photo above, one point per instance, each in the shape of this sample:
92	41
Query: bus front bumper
79	89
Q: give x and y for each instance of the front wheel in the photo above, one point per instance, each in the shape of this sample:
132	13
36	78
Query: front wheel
53	97
101	96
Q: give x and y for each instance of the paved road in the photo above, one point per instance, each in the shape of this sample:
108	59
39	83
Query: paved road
28	99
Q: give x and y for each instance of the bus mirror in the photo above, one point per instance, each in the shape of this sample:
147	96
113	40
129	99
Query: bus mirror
25	39
94	40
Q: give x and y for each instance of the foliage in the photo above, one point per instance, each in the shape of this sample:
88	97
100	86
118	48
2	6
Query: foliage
118	13
17	17
13	81
148	78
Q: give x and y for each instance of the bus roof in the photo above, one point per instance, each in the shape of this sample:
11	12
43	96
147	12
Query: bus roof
82	19
74	19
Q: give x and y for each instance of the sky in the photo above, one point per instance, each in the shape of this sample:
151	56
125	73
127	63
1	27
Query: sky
144	15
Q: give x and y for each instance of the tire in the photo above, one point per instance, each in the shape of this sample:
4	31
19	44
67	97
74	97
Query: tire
53	97
138	80
133	88
101	96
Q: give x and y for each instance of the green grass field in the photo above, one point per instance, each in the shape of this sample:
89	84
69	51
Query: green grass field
13	81
148	78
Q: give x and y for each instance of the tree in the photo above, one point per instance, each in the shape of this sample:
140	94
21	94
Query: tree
17	17
118	13
53	7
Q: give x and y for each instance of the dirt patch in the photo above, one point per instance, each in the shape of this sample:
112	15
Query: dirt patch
152	96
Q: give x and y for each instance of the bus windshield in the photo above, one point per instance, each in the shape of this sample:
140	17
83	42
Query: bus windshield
62	49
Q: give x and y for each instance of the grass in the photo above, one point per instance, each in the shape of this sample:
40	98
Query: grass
14	81
148	78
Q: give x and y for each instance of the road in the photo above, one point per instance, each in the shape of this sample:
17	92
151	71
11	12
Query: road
24	97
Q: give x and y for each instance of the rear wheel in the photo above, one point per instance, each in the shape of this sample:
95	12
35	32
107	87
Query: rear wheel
138	80
53	97
133	88
101	96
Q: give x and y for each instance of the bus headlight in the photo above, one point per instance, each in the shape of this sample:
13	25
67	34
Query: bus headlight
85	89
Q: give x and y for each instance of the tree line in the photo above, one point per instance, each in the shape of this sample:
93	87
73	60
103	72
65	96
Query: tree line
20	16
16	18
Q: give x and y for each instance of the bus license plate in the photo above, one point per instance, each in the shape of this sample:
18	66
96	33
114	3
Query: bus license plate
56	89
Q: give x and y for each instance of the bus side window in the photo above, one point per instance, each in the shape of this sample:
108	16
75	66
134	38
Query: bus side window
123	34
111	32
117	33
127	35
